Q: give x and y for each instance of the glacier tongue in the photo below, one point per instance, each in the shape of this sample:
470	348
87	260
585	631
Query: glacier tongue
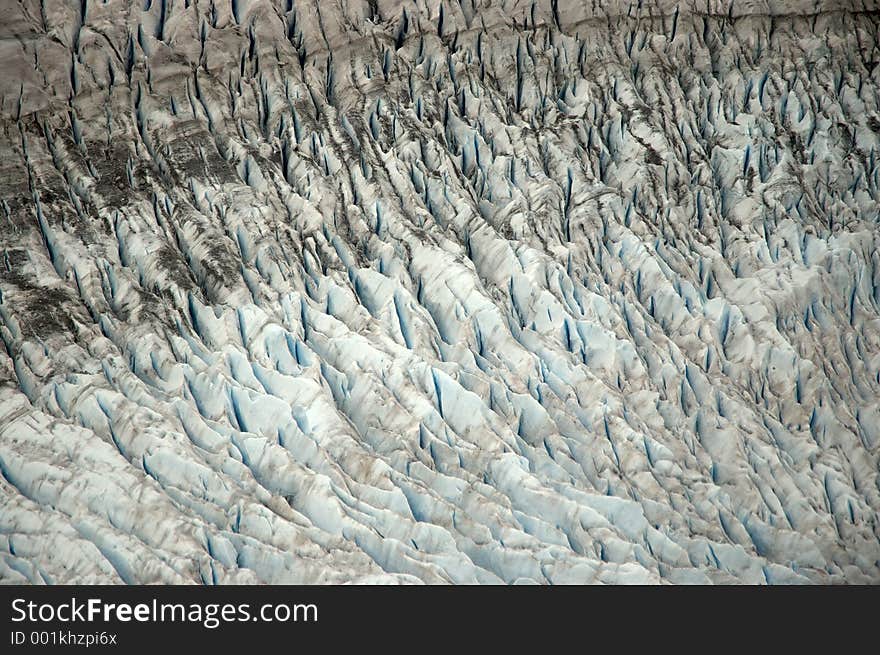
460	291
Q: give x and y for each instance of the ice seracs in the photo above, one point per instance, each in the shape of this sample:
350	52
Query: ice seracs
444	292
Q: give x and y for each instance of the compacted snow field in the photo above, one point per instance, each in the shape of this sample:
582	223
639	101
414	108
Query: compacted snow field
478	291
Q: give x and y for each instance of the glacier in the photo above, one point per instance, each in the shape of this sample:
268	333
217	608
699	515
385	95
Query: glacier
440	291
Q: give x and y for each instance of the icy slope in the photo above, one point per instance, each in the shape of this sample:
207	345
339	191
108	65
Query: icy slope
325	291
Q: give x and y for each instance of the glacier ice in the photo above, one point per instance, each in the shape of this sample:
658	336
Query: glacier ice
442	291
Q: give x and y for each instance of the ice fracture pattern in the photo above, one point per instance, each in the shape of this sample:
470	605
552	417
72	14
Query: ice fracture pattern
444	291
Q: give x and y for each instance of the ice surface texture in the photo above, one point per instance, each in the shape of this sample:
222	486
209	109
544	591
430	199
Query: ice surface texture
470	292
